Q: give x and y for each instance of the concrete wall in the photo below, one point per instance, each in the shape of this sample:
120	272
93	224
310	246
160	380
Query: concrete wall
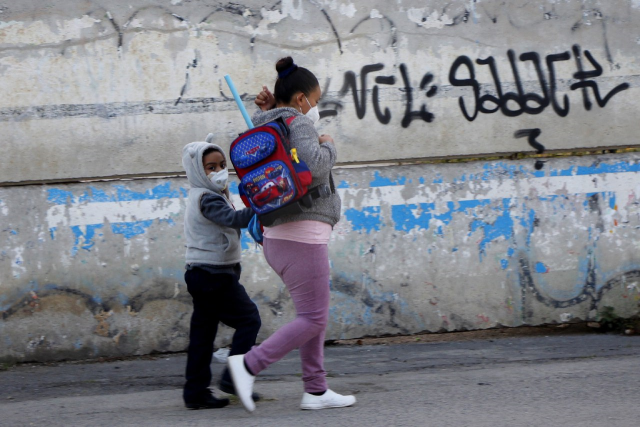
96	269
107	89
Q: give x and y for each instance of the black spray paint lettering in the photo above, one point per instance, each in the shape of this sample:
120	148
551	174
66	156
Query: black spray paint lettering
351	82
384	115
423	114
531	135
584	83
513	104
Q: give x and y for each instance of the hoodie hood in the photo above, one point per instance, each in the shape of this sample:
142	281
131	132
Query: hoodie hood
192	163
260	117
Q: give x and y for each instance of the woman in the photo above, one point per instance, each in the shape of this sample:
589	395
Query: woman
296	246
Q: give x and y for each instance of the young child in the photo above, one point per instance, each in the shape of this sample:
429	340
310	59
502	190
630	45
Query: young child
212	231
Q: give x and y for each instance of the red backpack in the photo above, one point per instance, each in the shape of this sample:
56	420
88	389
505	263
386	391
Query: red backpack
273	180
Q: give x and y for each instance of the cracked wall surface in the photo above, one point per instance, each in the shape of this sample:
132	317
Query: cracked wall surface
100	89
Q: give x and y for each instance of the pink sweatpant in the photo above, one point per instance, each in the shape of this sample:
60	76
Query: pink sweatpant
304	269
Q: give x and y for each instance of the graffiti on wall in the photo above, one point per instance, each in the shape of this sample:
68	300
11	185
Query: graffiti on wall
510	95
372	87
501	204
497	213
486	98
529	102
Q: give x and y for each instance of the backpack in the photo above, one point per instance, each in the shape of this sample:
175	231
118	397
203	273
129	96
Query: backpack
273	180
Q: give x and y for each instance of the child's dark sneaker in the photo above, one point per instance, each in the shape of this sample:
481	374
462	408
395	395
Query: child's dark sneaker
206	401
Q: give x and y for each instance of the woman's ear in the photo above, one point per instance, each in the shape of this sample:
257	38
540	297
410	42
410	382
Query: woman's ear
298	100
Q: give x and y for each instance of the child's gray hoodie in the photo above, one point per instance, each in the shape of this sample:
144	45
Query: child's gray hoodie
211	223
320	159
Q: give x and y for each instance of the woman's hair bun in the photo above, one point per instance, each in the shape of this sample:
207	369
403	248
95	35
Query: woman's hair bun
285	66
284	63
291	80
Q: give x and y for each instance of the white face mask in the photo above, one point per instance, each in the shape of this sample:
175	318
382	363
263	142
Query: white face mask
219	179
313	113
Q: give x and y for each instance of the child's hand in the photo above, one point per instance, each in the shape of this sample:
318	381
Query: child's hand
265	99
325	138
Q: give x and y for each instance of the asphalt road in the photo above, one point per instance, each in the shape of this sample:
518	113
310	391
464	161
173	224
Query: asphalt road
576	380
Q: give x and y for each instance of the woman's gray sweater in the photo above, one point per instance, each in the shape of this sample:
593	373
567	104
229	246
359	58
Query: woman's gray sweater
320	158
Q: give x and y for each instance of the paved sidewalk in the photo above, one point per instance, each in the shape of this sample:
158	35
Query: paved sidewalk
573	380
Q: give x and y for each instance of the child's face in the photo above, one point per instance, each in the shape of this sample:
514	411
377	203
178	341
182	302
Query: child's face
213	162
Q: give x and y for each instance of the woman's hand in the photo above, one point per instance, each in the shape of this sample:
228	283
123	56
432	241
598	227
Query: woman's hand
265	99
325	138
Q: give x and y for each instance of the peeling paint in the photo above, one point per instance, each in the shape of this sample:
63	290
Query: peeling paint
423	18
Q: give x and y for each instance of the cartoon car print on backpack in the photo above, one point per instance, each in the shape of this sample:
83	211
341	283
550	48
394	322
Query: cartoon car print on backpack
275	188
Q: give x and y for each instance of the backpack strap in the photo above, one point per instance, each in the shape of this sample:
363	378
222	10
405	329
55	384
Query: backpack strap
332	186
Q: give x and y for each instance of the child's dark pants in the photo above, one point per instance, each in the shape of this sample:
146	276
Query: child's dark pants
216	298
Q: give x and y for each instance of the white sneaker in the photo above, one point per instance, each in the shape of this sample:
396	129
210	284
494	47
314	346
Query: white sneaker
242	381
329	399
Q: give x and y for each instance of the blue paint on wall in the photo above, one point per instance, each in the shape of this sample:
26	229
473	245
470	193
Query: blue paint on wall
597	168
405	219
502	170
604	167
60	197
501	227
131	229
120	193
380	181
95	195
541	268
367	219
84	236
527	221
